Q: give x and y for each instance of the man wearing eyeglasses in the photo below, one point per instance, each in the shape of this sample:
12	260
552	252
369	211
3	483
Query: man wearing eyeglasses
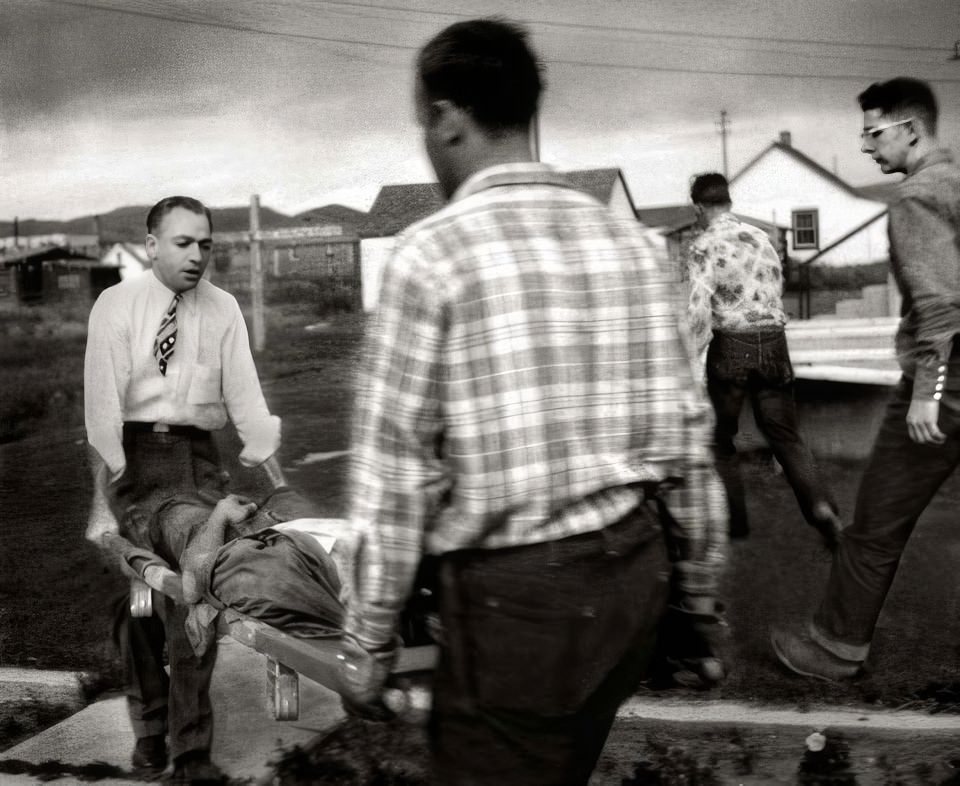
918	445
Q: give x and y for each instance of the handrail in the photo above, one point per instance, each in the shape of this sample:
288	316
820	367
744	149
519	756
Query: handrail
845	238
804	265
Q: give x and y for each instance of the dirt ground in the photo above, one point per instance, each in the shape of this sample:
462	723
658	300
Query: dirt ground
56	590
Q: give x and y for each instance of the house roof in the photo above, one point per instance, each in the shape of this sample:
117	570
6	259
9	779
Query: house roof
398	206
347	217
598	183
804	160
137	250
665	215
43	254
766	226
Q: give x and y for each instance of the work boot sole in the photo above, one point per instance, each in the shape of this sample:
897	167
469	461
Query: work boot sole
785	660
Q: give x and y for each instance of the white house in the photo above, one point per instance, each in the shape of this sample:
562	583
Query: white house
398	206
783	186
131	258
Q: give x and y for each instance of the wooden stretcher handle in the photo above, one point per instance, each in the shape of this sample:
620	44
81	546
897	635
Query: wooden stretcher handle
141	599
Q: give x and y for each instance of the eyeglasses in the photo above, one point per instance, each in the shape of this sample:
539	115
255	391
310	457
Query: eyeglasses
875	131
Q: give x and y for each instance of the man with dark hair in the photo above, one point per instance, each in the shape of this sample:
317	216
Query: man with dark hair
168	204
918	445
167	362
525	404
737	320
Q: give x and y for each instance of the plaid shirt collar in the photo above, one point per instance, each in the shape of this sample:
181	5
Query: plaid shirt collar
520	173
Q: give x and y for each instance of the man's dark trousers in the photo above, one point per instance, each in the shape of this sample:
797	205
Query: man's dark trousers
542	643
161	465
757	365
900	480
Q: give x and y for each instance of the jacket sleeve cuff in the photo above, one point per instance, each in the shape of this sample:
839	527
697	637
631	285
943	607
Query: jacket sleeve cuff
374	631
930	380
696	578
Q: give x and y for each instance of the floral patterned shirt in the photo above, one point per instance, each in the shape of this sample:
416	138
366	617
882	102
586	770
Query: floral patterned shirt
735	280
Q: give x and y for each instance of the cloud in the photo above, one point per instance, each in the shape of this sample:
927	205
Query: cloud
100	109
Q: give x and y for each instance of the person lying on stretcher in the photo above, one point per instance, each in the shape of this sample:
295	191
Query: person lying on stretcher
261	560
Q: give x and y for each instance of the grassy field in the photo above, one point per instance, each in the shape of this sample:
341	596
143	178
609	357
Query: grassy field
56	590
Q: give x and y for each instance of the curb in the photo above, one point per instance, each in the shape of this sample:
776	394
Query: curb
41	685
820	717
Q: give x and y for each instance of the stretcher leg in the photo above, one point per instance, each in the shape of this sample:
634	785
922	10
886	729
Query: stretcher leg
283	690
141	599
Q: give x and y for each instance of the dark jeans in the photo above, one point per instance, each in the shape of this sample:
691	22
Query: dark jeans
757	365
900	480
159	466
178	705
542	643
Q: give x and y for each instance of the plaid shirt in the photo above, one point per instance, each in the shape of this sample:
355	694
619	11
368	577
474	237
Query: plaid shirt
524	377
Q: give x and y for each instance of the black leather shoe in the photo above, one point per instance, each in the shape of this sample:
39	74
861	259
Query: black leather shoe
196	769
150	754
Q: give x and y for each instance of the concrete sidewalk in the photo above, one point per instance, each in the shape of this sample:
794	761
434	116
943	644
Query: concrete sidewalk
245	738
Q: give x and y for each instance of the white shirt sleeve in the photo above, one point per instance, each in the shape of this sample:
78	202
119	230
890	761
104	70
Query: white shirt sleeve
106	372
258	429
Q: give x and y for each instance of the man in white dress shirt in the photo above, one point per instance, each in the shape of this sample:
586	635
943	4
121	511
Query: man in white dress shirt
167	362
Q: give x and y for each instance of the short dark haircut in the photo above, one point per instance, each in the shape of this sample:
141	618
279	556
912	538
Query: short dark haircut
486	66
903	97
165	205
710	189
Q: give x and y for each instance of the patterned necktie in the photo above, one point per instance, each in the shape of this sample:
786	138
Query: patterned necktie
164	343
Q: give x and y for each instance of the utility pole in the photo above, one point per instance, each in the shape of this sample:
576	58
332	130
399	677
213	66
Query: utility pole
723	125
256	275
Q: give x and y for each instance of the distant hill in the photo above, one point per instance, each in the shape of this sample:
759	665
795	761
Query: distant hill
237	219
122	224
346	217
126	224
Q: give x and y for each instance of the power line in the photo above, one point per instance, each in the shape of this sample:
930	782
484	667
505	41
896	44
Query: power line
228	26
409	47
717	47
656	31
777	74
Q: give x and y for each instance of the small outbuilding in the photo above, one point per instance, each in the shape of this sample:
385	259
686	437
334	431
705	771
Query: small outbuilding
53	275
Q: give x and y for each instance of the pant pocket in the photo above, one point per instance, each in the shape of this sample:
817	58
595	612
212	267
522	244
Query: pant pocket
544	643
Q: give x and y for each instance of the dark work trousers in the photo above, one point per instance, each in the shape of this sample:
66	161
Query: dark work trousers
757	365
900	480
160	465
542	643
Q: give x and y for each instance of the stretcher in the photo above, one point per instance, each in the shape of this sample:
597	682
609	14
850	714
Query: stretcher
288	657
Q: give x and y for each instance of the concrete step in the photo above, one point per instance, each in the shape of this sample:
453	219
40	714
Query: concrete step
41	685
245	734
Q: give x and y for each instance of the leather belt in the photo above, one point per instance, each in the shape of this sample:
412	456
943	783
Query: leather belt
140	426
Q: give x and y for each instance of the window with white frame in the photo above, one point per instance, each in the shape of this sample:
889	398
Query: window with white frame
806	229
